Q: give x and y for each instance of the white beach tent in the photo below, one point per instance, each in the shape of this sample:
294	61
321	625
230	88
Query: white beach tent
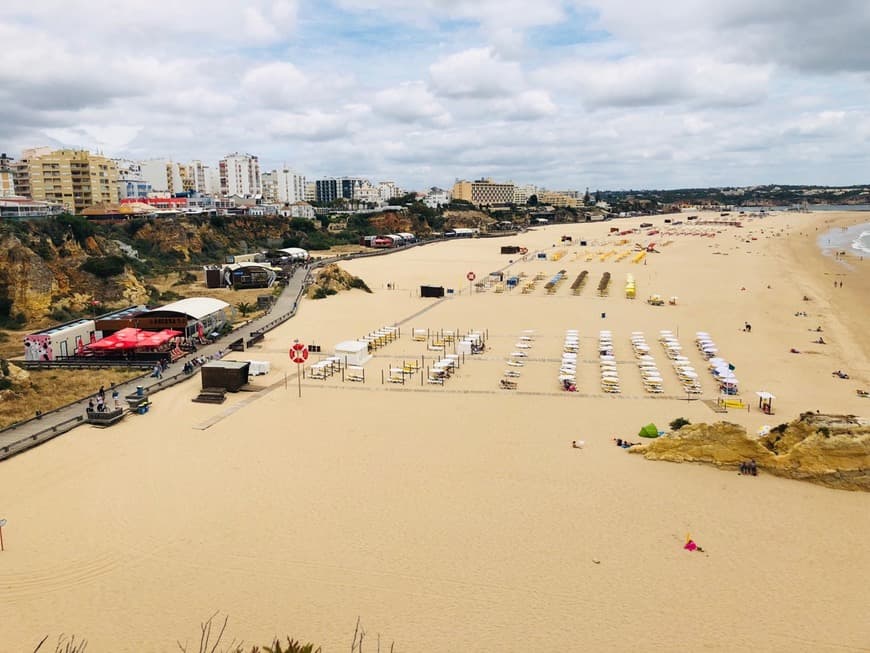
353	352
259	367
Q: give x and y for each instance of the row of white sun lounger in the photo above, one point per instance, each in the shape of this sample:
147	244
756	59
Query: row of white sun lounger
516	360
649	371
568	365
685	372
381	337
607	362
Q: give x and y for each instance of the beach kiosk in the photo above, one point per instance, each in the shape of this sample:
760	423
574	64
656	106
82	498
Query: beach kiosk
353	352
228	375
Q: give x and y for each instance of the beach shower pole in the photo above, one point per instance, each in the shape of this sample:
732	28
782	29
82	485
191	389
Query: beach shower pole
299	377
2	524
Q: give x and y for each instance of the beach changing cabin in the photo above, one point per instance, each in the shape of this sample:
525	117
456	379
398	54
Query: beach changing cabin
353	352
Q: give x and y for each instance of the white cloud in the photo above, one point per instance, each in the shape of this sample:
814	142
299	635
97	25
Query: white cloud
426	91
475	73
410	102
276	84
637	81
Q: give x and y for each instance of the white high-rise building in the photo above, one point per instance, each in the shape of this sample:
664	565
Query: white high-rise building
290	186
212	181
240	175
153	172
163	175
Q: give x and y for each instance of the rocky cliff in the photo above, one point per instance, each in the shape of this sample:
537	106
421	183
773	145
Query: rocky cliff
331	279
832	450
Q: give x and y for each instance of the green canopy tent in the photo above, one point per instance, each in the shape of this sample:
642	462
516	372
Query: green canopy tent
649	431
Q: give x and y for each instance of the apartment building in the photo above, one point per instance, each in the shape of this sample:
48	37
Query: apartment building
164	176
387	190
330	189
289	186
559	199
483	192
21	169
436	197
240	175
7	181
131	184
75	179
523	193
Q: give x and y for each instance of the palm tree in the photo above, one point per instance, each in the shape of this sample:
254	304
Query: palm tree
245	308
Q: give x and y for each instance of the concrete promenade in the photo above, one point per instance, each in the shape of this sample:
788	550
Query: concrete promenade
32	432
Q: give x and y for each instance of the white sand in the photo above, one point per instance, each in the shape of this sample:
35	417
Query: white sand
459	517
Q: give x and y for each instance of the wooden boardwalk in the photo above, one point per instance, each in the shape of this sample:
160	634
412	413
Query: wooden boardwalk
32	432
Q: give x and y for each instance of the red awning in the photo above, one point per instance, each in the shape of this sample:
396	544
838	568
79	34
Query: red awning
130	338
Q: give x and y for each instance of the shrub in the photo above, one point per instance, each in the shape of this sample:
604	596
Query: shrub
679	423
320	292
170	296
79	226
359	284
185	278
104	266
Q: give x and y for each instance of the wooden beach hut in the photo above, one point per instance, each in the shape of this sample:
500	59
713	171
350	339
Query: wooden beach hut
228	375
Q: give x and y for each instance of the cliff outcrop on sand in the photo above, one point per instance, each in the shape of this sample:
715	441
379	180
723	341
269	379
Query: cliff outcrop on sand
831	450
331	280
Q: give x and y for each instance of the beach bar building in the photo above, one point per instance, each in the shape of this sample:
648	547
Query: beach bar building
194	316
60	342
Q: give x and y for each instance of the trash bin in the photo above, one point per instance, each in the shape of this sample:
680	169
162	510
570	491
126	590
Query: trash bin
140	391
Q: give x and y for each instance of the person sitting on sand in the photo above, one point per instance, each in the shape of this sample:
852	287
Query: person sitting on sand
820	341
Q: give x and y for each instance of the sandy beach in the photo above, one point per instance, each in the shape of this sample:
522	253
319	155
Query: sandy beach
458	517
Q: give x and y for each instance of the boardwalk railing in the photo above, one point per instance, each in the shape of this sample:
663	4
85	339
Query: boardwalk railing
46	434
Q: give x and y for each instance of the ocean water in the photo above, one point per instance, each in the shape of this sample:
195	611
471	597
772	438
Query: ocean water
856	238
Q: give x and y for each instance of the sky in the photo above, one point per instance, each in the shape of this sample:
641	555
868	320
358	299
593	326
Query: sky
562	94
